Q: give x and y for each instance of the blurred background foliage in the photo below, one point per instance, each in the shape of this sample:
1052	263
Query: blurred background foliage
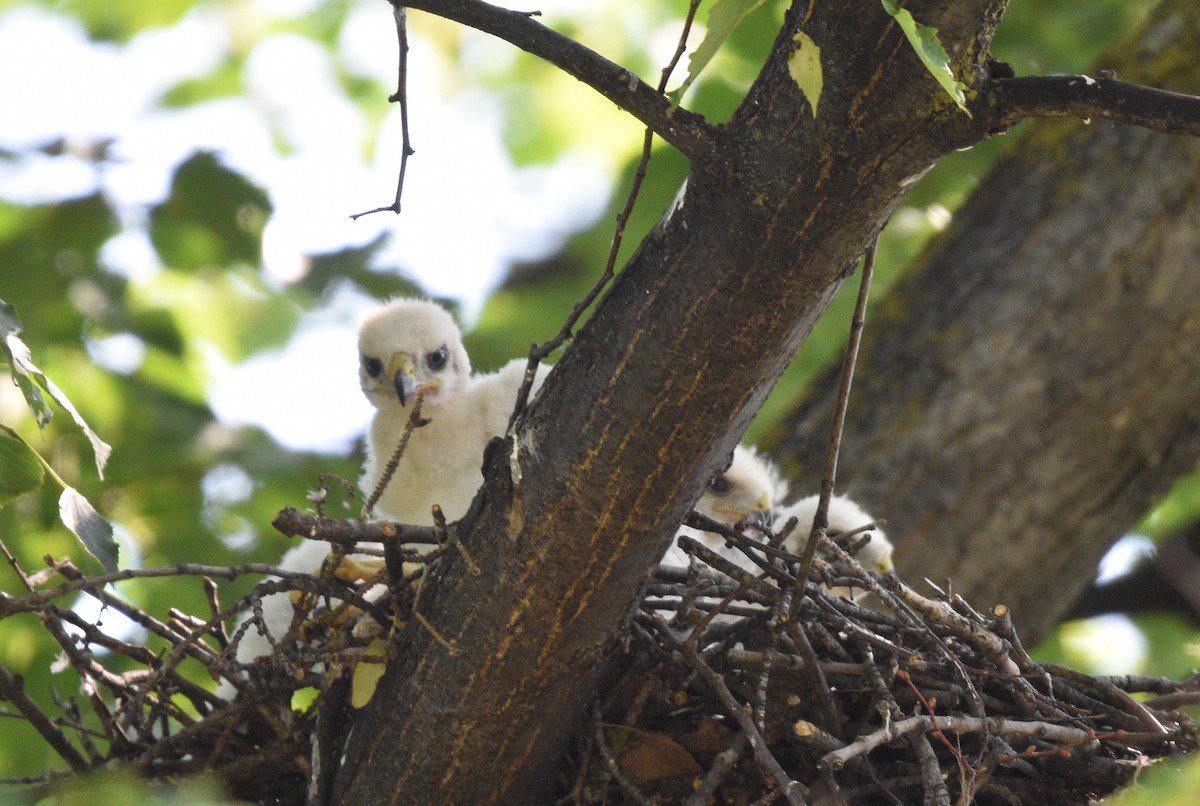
186	326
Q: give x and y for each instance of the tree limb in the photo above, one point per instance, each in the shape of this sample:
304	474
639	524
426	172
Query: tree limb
684	130
1016	99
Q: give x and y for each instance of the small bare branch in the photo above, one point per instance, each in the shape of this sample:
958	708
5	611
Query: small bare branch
821	520
400	96
956	724
540	352
1084	97
792	790
293	523
12	688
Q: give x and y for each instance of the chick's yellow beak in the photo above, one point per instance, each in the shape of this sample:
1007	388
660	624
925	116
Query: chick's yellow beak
739	508
403	372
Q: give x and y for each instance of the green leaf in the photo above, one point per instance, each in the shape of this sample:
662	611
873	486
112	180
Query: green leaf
925	42
89	526
1169	782
119	22
16	353
723	17
24	370
804	66
20	469
223	82
212	217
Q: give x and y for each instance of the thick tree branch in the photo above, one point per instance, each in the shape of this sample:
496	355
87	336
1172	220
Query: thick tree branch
1081	96
684	130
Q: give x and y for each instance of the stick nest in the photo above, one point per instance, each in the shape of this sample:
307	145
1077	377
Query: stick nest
729	687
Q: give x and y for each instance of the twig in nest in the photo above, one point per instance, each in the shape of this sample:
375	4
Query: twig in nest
399	96
414	422
12	689
793	791
722	766
1066	735
447	536
614	769
293	523
821	520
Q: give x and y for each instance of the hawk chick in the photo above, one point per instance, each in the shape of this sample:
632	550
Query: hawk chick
409	347
748	486
844	516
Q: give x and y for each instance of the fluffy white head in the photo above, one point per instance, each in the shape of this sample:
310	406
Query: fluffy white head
409	346
748	486
844	516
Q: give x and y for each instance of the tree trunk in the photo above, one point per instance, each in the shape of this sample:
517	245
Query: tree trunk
649	400
1026	394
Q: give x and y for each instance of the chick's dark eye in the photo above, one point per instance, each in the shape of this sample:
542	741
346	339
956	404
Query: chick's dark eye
438	358
372	366
719	485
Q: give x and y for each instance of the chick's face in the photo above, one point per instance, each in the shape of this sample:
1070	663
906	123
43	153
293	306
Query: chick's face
409	347
877	554
743	489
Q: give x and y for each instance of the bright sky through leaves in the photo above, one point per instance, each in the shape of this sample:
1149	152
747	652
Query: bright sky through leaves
332	165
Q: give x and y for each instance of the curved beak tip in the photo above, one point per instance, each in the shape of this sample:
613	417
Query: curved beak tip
402	371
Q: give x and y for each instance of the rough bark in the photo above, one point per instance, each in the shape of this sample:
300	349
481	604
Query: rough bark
1030	390
651	396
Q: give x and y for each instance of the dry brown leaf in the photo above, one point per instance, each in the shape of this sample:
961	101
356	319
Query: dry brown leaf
654	757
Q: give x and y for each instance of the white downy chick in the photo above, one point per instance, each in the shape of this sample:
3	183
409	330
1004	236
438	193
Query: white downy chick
844	516
749	485
412	346
406	347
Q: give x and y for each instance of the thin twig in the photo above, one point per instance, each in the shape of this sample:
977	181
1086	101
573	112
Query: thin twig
12	688
628	788
956	724
293	523
399	96
792	790
821	520
722	766
35	601
413	423
540	352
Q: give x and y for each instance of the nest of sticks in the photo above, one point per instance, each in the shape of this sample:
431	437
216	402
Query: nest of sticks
749	688
732	688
